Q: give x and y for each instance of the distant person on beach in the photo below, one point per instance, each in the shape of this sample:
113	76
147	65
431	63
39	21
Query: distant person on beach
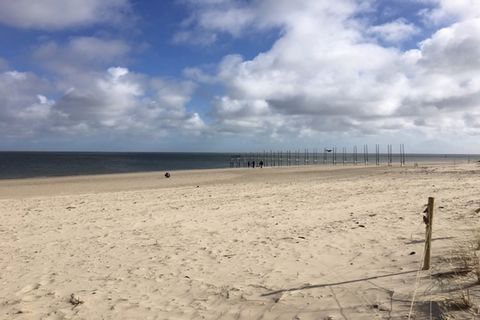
261	163
248	164
253	164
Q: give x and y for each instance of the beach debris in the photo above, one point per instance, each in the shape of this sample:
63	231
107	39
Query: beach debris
74	300
167	174
412	253
425	215
380	307
361	226
70	208
277	297
301	237
477	210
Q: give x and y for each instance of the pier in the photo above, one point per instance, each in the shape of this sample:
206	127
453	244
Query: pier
387	155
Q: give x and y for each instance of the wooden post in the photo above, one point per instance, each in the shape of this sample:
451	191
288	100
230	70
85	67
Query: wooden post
428	233
355	155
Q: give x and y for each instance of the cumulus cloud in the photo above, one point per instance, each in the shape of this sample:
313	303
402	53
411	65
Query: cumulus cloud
326	73
394	31
86	97
81	53
116	100
59	14
448	11
122	100
210	18
21	103
329	70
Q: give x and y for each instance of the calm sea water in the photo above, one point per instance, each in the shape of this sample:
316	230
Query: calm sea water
48	164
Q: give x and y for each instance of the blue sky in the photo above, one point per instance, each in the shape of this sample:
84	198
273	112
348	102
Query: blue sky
245	75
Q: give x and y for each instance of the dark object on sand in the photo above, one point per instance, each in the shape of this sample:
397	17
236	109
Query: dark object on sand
412	253
167	174
75	301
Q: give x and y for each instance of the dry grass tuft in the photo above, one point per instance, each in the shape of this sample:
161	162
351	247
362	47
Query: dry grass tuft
476	241
461	302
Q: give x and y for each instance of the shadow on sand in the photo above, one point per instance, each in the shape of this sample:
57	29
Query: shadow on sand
313	286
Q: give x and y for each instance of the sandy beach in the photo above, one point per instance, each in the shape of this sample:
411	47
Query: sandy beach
273	243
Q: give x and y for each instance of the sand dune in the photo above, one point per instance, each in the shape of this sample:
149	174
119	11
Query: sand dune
285	243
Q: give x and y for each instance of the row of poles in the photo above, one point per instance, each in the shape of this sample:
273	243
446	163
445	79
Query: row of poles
325	156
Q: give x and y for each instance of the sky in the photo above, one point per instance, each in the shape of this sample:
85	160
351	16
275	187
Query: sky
239	75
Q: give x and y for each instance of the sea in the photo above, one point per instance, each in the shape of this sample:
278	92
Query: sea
14	165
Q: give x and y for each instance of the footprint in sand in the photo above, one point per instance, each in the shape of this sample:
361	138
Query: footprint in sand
28	293
28	288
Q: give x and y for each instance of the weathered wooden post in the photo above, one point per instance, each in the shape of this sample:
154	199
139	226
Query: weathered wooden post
428	219
389	155
355	155
402	155
365	154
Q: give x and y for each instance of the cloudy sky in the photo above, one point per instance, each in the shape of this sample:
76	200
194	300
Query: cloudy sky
227	75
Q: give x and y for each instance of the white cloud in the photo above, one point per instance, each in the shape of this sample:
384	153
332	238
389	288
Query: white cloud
91	98
60	14
114	101
453	50
395	31
212	17
123	100
325	74
21	105
449	11
81	53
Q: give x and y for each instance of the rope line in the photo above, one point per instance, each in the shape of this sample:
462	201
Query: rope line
416	286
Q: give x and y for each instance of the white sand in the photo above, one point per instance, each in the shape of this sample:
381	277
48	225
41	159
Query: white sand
210	244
